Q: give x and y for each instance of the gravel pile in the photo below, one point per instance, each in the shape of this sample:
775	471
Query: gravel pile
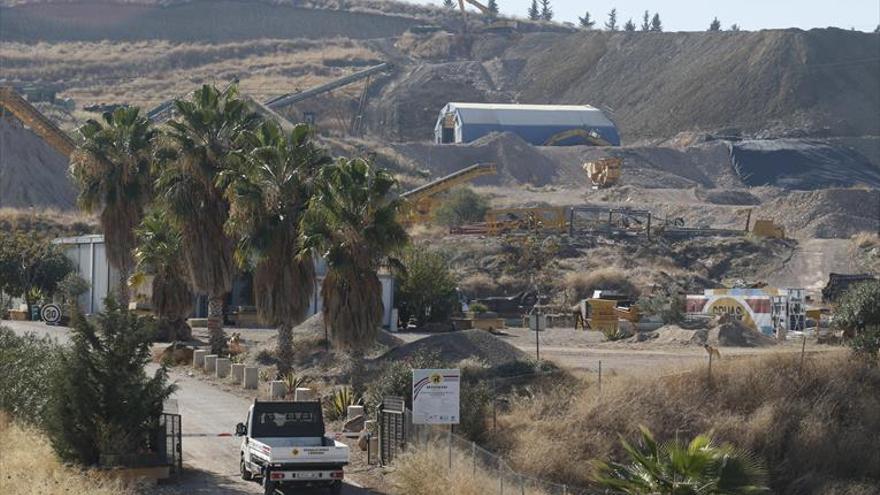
32	173
457	346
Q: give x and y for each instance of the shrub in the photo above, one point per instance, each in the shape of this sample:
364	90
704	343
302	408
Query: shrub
462	205
582	284
478	285
30	268
292	381
425	289
859	316
478	308
102	402
26	366
336	404
670	309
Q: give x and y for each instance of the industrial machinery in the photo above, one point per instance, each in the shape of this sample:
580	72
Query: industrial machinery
422	200
590	137
36	121
499	221
163	111
604	172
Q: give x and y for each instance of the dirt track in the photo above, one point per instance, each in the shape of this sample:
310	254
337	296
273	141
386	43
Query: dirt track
811	263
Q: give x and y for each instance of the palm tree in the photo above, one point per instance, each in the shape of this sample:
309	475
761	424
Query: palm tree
698	468
205	134
158	254
351	221
268	190
112	169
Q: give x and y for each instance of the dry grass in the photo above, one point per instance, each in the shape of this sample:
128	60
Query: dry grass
29	466
424	471
479	285
46	222
816	431
866	240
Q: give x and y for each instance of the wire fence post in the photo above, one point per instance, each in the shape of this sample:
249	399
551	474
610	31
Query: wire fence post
474	456
564	489
803	351
500	476
449	443
522	486
710	369
600	375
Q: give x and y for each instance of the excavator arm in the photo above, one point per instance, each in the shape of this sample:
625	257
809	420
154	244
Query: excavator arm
482	8
36	121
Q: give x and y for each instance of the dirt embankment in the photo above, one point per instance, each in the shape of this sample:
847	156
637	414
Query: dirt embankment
31	172
760	84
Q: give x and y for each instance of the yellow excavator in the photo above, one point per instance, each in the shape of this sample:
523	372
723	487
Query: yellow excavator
36	121
604	172
422	200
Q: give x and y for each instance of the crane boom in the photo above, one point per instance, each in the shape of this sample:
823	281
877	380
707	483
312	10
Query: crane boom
36	121
449	181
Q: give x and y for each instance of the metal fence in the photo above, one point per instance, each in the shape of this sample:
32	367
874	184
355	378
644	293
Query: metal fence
462	457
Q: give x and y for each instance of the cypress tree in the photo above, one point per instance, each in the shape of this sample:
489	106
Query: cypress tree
586	21
646	22
534	13
629	26
656	25
611	23
546	11
715	25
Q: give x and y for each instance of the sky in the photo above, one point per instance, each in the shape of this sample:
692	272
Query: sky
695	15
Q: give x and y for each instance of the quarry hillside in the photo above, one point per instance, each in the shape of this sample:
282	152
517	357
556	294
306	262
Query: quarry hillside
785	121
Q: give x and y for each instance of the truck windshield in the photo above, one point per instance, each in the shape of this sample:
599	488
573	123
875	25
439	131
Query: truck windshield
288	420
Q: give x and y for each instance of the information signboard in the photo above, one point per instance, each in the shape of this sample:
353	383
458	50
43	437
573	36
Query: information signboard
436	396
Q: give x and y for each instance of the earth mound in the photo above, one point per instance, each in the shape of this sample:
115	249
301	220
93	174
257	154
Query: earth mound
724	334
457	346
31	172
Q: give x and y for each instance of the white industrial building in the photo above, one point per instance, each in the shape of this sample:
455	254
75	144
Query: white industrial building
89	256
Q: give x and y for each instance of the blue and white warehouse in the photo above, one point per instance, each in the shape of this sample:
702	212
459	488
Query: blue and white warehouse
540	125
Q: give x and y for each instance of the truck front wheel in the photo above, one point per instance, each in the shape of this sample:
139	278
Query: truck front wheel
245	474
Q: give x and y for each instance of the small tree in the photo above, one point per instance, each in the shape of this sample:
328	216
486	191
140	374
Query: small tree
646	22
31	268
611	23
587	21
630	26
534	11
493	8
449	4
425	288
735	28
546	11
656	25
715	25
462	206
103	405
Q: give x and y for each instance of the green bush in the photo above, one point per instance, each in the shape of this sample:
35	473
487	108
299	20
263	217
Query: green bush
26	365
336	404
425	289
31	268
394	379
463	205
858	315
102	403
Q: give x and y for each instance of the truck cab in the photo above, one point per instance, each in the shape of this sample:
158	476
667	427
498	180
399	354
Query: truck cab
285	445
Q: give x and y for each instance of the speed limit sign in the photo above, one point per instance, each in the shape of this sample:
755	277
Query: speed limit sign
51	314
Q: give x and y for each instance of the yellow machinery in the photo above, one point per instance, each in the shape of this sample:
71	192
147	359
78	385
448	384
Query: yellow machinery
604	172
36	121
590	137
503	220
422	200
766	228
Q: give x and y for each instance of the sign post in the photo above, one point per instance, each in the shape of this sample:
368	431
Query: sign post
436	396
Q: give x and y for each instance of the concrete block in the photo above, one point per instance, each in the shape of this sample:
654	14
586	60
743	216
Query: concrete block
211	363
303	394
199	358
237	373
355	411
251	377
277	389
223	365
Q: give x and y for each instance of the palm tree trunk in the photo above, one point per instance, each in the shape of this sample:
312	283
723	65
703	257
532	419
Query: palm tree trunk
122	291
357	368
285	349
215	325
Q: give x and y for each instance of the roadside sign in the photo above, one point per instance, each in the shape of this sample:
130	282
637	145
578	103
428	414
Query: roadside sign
537	322
436	396
51	314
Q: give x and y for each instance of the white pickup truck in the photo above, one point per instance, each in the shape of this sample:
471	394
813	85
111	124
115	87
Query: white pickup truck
285	445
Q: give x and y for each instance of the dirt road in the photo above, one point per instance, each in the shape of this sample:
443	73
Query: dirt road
811	263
